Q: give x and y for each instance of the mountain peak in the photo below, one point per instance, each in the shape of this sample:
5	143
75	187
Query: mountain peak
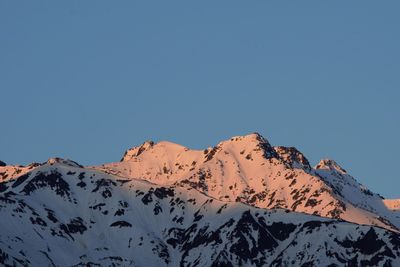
137	150
252	137
329	164
62	161
253	141
2	163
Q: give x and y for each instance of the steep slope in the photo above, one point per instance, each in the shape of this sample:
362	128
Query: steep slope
61	214
357	194
248	169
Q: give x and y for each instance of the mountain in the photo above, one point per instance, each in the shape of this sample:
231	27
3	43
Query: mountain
248	169
242	202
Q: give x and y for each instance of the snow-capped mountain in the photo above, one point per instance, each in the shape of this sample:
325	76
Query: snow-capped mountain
240	203
248	169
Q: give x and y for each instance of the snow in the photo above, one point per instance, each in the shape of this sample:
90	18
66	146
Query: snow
248	169
164	204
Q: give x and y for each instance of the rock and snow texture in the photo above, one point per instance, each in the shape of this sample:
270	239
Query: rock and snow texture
240	203
248	169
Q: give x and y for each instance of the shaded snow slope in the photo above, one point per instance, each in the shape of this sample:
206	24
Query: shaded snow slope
61	214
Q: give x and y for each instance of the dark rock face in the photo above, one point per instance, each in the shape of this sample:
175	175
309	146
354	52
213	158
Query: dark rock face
121	224
20	180
244	231
265	147
3	187
163	192
209	154
53	180
279	230
292	157
2	164
76	225
138	150
369	243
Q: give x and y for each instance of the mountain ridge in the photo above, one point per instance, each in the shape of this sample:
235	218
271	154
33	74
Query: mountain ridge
242	202
248	157
104	220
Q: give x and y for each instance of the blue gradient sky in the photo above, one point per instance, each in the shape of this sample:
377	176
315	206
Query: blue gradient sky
88	79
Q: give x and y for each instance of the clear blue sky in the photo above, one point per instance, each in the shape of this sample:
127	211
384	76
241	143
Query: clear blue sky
88	79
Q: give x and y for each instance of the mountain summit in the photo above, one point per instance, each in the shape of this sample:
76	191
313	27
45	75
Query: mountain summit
250	170
242	202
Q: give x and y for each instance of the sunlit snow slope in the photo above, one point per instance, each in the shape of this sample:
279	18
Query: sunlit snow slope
248	169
